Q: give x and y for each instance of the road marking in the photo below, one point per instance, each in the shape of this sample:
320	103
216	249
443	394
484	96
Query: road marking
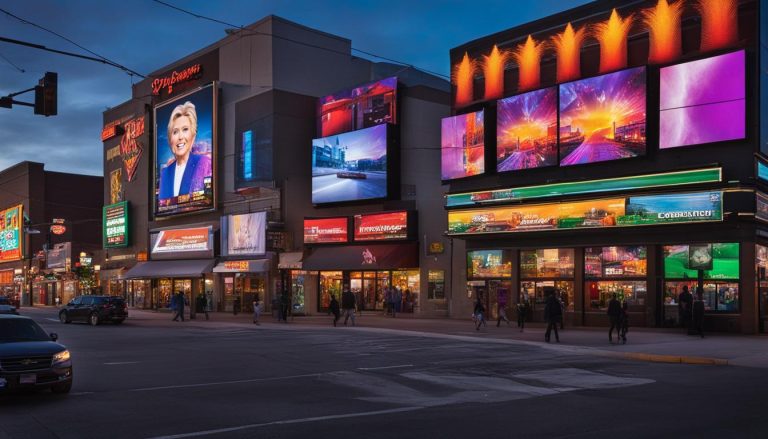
121	362
289	421
253	380
385	367
52	320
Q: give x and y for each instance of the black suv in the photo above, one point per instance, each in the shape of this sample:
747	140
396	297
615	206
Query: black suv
30	358
94	310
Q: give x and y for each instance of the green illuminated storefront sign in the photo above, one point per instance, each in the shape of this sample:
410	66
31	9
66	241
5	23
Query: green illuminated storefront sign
696	176
116	225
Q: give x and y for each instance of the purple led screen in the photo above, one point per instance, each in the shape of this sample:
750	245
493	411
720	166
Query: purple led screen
463	145
603	118
702	101
526	135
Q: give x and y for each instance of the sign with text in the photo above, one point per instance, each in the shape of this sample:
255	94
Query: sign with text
11	220
325	230
182	240
381	226
116	225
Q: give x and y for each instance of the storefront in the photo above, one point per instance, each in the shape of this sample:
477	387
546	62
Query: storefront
244	282
190	277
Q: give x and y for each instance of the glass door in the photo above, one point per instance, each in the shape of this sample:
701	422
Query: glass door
369	291
330	285
382	283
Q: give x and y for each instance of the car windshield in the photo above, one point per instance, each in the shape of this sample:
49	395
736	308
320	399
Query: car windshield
17	330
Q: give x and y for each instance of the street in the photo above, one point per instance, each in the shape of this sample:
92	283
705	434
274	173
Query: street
152	378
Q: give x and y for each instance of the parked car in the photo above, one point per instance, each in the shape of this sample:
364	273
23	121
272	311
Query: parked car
94	310
30	358
6	307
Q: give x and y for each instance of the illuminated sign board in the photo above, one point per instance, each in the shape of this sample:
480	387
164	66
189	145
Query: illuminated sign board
182	240
115	217
488	264
236	265
370	104
325	230
602	213
244	234
167	82
679	178
11	222
762	171
381	226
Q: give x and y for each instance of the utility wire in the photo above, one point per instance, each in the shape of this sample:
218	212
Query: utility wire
100	57
253	32
11	63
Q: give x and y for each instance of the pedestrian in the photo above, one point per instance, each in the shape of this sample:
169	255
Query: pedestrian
179	306
285	305
256	309
501	306
57	301
562	309
522	313
697	313
614	314
552	314
624	322
397	300
684	307
479	313
236	305
348	306
333	308
202	305
388	301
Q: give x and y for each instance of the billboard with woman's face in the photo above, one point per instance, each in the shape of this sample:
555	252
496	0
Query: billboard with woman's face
185	145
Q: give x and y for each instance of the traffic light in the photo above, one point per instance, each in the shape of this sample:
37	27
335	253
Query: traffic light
45	94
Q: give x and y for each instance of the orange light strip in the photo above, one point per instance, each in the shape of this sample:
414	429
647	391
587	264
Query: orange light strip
567	44
528	58
612	35
493	69
719	23
463	77
663	22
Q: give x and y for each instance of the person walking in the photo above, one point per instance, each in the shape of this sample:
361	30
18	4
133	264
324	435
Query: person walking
285	305
179	306
348	306
501	306
684	307
522	313
562	309
333	308
697	313
552	314
479	313
202	305
623	322
256	309
614	314
236	305
398	301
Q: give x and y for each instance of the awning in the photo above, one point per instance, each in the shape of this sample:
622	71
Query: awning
156	269
290	260
247	266
363	257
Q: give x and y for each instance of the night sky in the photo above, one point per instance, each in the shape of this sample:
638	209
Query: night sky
144	35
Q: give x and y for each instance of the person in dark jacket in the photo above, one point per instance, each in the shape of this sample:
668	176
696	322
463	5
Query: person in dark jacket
333	308
236	305
348	306
553	313
479	312
698	313
614	314
522	313
684	307
202	305
624	322
285	306
178	302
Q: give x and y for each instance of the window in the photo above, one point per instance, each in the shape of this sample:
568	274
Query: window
436	289
616	261
546	263
536	292
599	292
721	283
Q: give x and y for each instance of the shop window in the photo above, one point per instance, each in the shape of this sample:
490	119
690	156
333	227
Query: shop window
546	263
436	289
615	262
721	280
330	285
599	293
536	292
298	296
679	260
409	283
761	262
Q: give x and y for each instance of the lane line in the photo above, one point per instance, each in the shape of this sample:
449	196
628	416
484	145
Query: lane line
219	383
385	367
289	421
121	362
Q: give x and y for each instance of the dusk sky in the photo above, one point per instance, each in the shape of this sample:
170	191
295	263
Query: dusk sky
144	35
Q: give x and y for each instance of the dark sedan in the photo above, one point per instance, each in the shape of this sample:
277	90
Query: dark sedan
95	310
6	307
30	358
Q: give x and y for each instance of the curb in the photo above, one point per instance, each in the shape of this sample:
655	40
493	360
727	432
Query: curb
658	358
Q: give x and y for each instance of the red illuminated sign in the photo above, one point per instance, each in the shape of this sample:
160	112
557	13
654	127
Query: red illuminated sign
381	226
58	229
130	147
167	82
325	230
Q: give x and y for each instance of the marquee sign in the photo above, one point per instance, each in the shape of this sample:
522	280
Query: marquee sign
325	230
381	226
182	240
167	82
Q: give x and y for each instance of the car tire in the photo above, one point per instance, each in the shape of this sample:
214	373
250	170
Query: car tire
93	319
64	317
117	322
62	388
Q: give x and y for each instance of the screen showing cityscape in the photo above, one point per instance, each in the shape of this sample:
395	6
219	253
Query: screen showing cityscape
526	131
361	107
603	118
350	166
703	101
488	264
463	145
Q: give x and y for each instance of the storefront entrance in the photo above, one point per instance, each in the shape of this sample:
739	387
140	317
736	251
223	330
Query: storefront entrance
241	289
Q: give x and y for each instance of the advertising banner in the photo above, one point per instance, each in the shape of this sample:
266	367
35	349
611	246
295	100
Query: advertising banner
245	234
182	240
57	257
370	104
11	222
115	224
381	226
488	264
325	230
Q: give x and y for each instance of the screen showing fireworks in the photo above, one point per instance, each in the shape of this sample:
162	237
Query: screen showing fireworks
603	118
702	101
463	145
526	135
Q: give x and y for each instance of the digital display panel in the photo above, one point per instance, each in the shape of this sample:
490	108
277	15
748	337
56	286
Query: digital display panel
609	212
547	263
254	154
185	145
488	264
182	240
116	225
381	226
245	234
703	101
725	262
325	230
361	107
603	118
350	166
11	222
615	261
462	145
526	131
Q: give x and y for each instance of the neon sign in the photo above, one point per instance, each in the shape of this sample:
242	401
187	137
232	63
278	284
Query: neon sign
167	82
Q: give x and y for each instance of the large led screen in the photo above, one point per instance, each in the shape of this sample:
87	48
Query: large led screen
244	234
381	226
11	222
350	166
702	101
325	230
185	145
526	131
603	118
361	107
725	262
488	264
463	145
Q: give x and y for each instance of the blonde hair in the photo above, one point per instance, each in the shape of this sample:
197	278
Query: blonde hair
185	109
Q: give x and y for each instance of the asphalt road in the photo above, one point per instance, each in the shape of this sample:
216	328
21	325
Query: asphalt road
156	378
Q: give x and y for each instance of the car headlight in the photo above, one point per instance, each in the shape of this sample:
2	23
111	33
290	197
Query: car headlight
61	358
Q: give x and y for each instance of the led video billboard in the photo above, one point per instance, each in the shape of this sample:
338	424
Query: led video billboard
725	262
463	145
381	226
11	222
526	131
185	148
350	166
244	234
361	107
488	264
703	101
326	230
603	118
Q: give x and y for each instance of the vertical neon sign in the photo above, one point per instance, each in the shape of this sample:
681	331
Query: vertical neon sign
247	155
